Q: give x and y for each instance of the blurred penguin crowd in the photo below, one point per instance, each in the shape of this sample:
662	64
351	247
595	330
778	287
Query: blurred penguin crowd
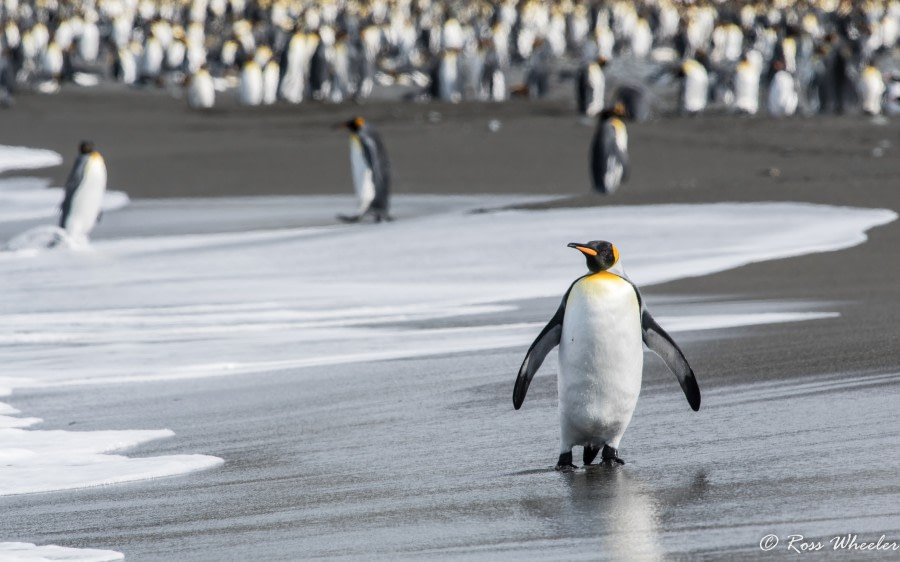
775	56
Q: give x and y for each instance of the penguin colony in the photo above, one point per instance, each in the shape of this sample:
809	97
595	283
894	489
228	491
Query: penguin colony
831	55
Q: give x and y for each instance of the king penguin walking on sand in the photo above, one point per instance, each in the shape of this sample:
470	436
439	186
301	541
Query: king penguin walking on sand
609	151
371	172
84	192
599	327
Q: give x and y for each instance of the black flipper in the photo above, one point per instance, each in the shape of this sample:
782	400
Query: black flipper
72	183
662	344
546	341
376	157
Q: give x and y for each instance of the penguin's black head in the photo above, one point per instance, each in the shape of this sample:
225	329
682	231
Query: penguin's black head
617	110
86	147
355	124
599	254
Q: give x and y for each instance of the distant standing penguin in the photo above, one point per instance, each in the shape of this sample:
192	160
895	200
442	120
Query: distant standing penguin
783	98
371	172
694	88
599	327
201	90
609	151
270	82
871	90
591	86
84	192
251	85
746	87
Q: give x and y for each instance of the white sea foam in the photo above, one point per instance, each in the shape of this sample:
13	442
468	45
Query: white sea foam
28	552
23	158
33	198
174	307
37	461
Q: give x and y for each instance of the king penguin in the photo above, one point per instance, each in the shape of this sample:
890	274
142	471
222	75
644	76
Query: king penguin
371	172
591	85
609	151
84	192
599	327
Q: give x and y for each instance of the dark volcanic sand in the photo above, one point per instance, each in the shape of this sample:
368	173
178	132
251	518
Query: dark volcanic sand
468	477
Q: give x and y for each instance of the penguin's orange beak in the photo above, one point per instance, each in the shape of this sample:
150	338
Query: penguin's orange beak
582	248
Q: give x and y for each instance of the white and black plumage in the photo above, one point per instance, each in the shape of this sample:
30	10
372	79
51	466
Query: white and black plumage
609	151
201	90
591	87
746	87
871	90
599	327
783	98
371	172
250	91
85	189
694	86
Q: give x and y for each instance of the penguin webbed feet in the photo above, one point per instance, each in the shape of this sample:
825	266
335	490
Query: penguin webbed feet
590	453
376	217
611	456
564	464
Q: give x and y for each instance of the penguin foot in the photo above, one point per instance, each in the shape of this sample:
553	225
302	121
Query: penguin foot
611	456
590	453
564	464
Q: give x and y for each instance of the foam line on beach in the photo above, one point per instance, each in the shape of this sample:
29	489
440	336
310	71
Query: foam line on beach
33	198
174	307
29	552
24	158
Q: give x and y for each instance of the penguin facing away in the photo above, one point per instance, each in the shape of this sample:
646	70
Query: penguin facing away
599	327
84	192
371	172
609	151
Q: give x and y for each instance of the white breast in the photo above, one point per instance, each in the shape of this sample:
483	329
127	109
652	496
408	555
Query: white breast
449	74
88	198
782	95
696	84
598	84
872	90
362	174
746	88
270	82
601	359
251	88
202	92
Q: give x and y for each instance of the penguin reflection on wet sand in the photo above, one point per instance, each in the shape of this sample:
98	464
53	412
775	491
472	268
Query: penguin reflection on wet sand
371	172
609	151
599	327
84	192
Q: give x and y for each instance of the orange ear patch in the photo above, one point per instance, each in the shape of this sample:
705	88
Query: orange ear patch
615	253
359	122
